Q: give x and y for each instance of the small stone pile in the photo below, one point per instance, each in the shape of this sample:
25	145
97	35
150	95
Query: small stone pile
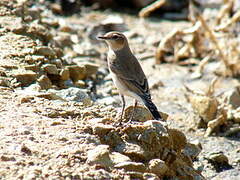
144	150
32	49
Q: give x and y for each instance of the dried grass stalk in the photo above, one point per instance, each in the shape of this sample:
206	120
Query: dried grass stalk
150	8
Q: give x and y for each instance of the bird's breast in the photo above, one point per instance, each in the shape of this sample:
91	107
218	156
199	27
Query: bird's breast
111	55
117	82
122	87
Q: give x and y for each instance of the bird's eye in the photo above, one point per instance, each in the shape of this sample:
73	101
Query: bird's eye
115	36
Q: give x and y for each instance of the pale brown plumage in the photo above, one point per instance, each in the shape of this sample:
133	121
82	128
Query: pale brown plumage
127	73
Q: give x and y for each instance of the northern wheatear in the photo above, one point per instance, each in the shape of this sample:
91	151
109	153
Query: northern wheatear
127	73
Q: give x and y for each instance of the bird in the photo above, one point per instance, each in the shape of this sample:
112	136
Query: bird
127	73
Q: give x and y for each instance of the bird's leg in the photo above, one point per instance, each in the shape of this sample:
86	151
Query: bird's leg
133	111
123	107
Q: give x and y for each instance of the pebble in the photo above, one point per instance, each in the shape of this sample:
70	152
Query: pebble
26	150
99	128
232	97
100	155
141	114
150	176
205	106
45	51
65	74
74	94
63	40
117	158
33	59
7	158
158	166
178	138
32	67
107	101
80	84
44	82
26	77
91	68
50	68
192	149
77	72
218	157
131	166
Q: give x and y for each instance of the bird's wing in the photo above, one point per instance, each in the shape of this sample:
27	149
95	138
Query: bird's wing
140	89
132	76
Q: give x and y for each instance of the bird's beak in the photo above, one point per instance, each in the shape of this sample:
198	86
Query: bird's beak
102	38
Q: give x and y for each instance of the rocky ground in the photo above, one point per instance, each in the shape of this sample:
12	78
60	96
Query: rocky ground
59	106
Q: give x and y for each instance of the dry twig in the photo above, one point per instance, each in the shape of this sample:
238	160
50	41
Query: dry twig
199	71
235	18
171	40
215	42
226	9
211	88
150	8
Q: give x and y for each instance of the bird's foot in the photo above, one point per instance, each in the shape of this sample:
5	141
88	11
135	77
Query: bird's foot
129	122
117	124
119	121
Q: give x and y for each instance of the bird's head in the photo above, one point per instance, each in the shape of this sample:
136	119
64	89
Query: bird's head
115	40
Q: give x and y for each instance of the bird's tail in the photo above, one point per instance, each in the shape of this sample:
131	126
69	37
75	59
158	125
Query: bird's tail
152	108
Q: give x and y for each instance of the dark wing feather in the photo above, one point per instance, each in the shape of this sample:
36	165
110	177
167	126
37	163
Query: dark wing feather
143	87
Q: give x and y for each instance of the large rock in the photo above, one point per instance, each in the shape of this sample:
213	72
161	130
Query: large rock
141	114
107	133
181	169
